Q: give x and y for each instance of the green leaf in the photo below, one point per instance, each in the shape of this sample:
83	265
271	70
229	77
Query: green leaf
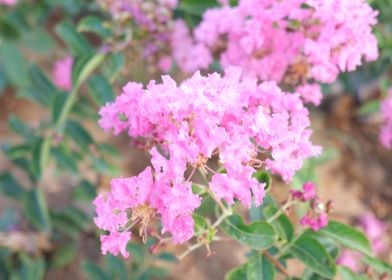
282	224
38	40
65	159
15	65
43	88
116	267
200	223
95	25
7	30
30	269
196	7
36	210
369	108
85	191
378	265
93	272
10	187
77	132
100	89
263	177
114	66
63	255
238	273
348	236
168	257
314	256
258	235
17	126
75	41
84	66
17	151
259	267
346	274
57	105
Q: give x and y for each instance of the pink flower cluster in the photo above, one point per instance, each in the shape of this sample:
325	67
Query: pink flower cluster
294	41
184	126
62	73
376	231
8	2
386	129
317	216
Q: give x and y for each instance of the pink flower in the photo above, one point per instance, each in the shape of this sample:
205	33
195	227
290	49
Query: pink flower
116	243
308	192
349	259
62	73
310	93
375	230
8	2
315	222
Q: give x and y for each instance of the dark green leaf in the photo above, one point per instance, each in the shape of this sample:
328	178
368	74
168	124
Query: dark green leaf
258	235
100	89
93	272
17	126
369	108
8	219
196	7
38	40
65	159
75	41
165	256
95	25
15	65
314	256
77	132
10	187
57	106
42	86
238	273
17	151
36	210
85	191
263	177
348	236
259	267
84	66
116	268
7	30
63	255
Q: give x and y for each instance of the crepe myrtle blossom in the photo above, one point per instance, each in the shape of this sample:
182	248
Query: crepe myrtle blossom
298	42
386	128
183	126
8	2
62	73
317	215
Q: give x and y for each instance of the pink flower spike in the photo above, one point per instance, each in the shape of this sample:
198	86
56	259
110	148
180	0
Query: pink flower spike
349	259
62	73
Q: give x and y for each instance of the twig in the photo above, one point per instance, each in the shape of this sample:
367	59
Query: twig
276	263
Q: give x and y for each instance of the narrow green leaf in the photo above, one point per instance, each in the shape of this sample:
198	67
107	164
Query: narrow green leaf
100	89
348	236
263	177
17	126
258	235
10	187
346	274
79	134
84	67
65	159
57	105
238	273
17	151
85	191
93	271
42	86
200	223
38	40
95	25
7	30
75	41
63	255
36	210
259	267
196	7
15	65
314	256
116	268
370	107
379	265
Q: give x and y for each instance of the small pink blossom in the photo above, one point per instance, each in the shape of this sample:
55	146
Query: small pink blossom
308	192
310	93
315	222
349	259
8	2
375	230
115	243
62	73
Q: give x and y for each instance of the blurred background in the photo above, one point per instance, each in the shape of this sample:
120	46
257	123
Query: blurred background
53	162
